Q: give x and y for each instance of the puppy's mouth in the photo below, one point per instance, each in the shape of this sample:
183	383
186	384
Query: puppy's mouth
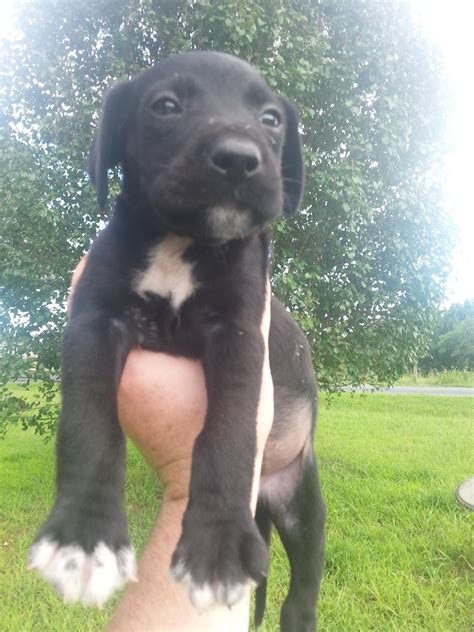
215	224
212	210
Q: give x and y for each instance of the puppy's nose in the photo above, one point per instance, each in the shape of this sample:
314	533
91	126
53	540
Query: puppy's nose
235	157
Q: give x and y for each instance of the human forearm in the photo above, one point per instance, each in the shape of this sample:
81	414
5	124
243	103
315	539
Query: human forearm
157	603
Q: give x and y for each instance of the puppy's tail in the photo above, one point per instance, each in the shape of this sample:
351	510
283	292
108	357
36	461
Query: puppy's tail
262	518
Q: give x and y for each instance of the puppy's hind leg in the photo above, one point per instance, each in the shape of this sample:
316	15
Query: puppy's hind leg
264	524
298	512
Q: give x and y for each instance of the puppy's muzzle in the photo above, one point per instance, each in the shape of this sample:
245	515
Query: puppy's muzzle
235	159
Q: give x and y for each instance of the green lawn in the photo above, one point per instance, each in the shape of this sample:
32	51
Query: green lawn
398	545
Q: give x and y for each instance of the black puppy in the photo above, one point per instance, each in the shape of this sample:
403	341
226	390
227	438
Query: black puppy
209	156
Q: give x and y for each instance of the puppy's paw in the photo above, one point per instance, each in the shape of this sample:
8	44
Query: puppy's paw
218	559
85	556
208	594
90	579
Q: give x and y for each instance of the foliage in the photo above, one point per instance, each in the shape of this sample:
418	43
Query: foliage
445	377
452	346
362	267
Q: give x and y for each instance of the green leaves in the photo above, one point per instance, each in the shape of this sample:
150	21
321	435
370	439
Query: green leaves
452	346
362	267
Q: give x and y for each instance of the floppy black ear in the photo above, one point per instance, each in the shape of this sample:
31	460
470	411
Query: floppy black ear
292	161
108	146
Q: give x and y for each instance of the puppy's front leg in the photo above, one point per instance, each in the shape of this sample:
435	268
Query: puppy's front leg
221	550
83	549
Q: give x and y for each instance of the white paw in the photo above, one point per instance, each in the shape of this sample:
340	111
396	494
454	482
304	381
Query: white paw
206	595
79	577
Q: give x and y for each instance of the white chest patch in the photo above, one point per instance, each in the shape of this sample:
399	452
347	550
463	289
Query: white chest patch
167	274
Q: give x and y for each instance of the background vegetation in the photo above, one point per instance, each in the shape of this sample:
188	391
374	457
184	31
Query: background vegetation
364	264
452	345
438	378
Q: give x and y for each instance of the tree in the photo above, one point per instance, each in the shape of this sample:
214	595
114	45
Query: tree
362	267
452	346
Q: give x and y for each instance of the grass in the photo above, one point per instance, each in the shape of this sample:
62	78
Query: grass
439	378
26	494
398	544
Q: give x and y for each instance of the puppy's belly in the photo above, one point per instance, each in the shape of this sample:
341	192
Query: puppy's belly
290	430
279	482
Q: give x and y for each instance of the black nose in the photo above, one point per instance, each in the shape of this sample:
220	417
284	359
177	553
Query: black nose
235	157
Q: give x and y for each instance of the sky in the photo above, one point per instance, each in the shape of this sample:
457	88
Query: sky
449	24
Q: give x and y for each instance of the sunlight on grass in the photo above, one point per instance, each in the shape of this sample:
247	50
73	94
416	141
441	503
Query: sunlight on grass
398	545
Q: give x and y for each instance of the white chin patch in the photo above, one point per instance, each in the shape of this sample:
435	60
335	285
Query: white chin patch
228	222
207	595
89	579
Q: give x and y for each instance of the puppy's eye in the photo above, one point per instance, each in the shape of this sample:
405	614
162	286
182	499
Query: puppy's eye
166	106
272	118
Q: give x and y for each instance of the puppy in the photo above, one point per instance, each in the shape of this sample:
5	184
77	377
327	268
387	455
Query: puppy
209	157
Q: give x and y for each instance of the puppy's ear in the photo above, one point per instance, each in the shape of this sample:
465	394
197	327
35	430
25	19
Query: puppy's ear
292	161
108	146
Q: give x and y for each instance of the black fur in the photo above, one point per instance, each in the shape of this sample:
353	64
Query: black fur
172	183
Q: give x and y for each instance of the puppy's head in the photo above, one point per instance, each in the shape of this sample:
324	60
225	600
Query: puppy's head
205	146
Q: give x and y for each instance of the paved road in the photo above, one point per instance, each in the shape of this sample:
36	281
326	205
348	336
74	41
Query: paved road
451	391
